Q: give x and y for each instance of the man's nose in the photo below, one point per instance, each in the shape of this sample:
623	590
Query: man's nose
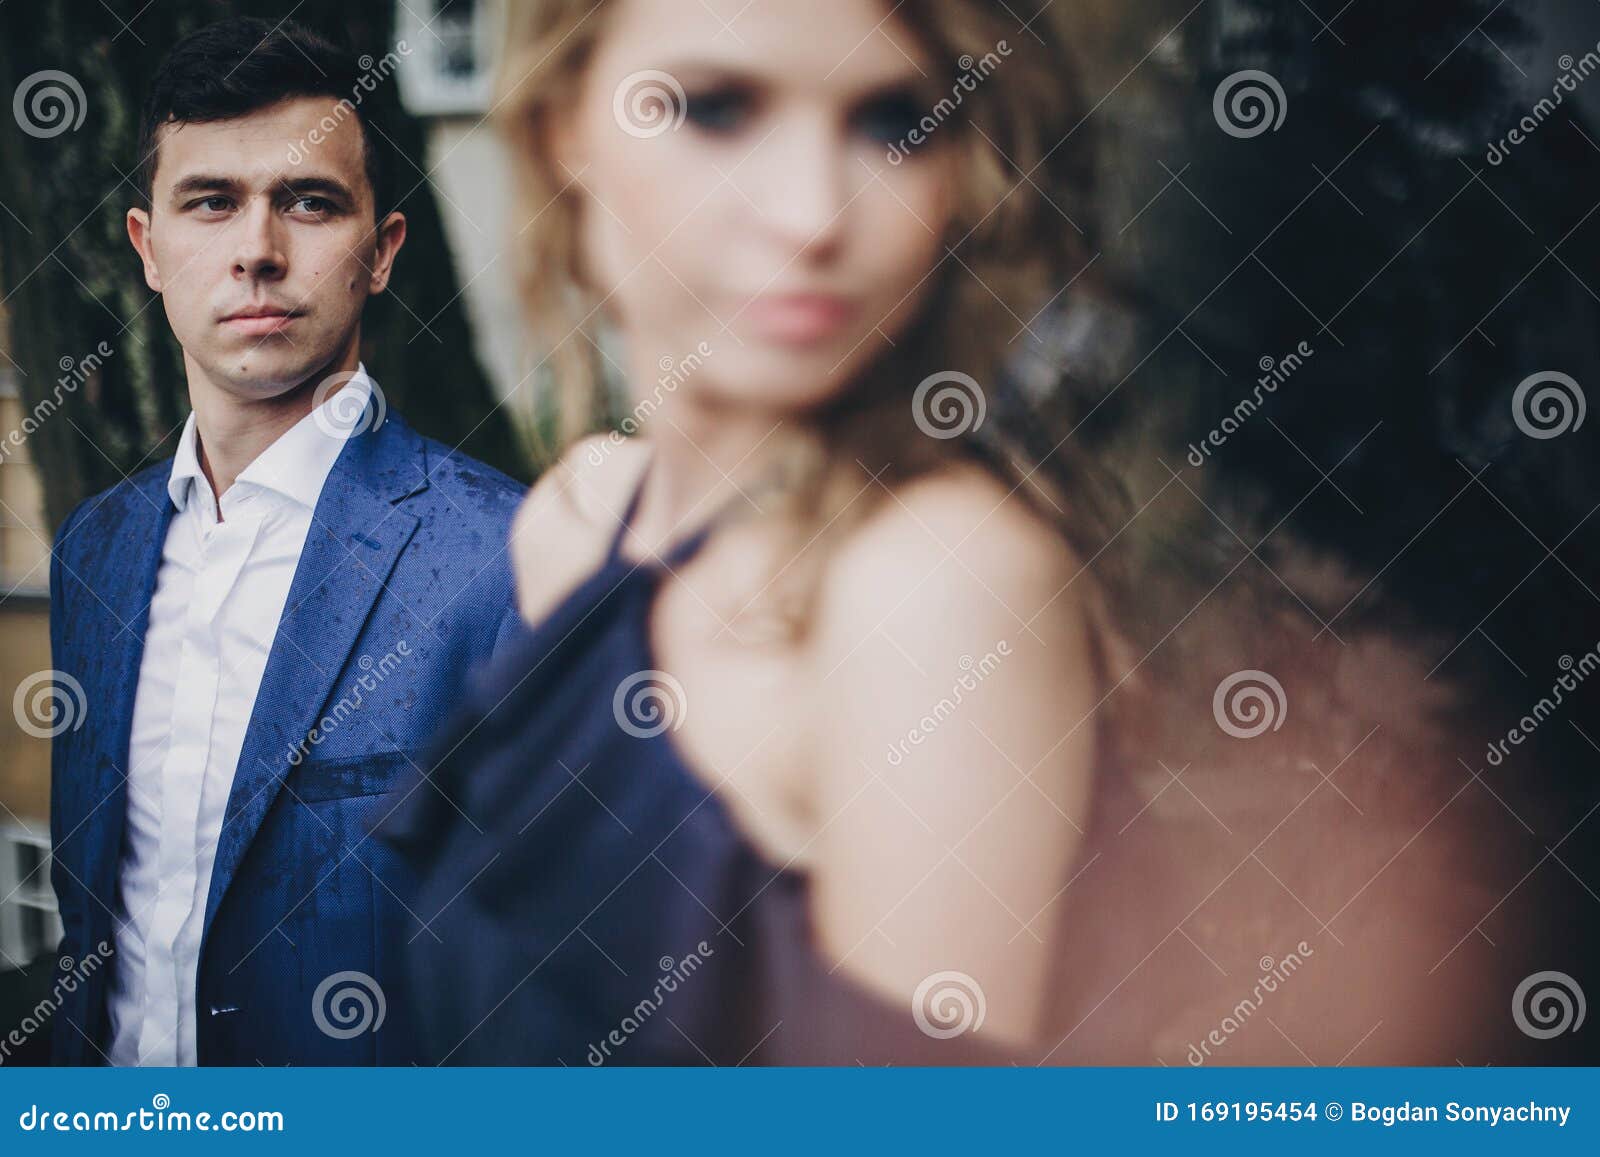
259	244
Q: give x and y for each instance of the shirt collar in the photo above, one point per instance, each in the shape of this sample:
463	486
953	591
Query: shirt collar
298	463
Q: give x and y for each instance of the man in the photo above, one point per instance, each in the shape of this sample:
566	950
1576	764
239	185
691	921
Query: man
269	626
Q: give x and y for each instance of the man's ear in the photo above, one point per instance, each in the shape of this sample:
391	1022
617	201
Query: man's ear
139	234
391	235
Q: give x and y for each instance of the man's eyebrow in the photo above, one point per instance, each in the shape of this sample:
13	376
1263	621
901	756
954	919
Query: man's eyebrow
292	186
308	186
205	183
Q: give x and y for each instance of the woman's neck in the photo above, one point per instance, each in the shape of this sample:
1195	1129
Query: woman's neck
706	457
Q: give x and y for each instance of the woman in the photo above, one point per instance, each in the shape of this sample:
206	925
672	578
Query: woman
794	760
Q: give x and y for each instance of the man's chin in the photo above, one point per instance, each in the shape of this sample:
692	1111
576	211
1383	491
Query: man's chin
264	370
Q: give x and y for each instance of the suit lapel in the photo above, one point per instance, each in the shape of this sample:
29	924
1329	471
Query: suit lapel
120	565
356	537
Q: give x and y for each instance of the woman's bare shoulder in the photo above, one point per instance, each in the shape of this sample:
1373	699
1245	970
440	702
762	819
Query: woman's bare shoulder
949	574
957	691
957	539
569	518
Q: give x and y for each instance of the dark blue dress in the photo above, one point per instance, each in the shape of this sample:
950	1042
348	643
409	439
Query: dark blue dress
588	899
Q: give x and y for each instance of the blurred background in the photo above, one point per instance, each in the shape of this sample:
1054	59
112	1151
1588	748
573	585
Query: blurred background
1393	528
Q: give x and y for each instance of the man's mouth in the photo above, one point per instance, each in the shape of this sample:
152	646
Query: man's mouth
260	320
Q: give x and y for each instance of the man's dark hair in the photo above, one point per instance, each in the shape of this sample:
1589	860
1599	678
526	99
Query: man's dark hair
240	65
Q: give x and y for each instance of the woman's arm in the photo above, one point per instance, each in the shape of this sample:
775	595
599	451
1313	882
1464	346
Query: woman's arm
956	742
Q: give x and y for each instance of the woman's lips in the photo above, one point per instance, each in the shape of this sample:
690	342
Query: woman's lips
799	318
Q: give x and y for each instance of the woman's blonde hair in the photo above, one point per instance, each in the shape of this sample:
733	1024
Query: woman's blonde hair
1018	236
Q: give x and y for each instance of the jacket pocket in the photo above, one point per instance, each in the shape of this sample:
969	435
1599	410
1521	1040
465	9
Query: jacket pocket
378	773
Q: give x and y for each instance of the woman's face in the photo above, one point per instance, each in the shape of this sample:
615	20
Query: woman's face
735	156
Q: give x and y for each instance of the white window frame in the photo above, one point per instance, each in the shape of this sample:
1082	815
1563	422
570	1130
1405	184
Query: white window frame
25	879
425	88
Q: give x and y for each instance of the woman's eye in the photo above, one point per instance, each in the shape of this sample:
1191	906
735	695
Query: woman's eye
889	119
721	111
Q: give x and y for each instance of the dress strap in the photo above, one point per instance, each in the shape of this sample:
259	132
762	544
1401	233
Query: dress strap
679	552
628	513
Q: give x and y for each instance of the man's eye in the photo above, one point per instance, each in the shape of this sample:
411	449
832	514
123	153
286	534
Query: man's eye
719	111
314	206
211	204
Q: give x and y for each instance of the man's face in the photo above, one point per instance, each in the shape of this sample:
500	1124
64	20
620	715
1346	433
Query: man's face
261	240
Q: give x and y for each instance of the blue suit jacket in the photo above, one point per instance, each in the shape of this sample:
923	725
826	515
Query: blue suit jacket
404	584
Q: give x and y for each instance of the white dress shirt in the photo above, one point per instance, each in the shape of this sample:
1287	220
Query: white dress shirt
219	595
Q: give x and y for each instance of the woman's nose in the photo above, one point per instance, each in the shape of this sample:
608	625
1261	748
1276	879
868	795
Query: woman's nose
805	185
